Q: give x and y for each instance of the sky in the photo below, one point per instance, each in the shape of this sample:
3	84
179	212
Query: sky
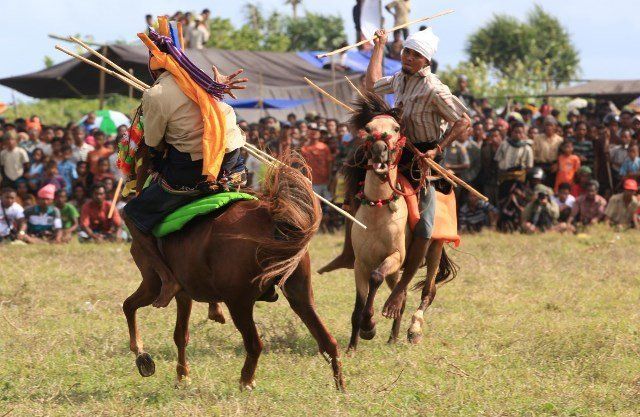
606	33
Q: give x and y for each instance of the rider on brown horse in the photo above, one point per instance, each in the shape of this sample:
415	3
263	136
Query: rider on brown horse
428	111
176	124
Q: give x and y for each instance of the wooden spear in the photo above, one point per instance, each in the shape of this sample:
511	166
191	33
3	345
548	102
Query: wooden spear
115	199
101	68
413	22
329	96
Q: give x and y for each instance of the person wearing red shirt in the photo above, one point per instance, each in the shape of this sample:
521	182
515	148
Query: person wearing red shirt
94	221
319	158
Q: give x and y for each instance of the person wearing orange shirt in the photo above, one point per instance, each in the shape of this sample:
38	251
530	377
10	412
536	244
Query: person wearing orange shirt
100	151
567	166
319	158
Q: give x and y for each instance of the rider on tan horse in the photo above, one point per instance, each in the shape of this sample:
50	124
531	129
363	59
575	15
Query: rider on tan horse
432	118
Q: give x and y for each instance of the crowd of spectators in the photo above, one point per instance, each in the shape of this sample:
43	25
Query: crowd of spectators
538	173
57	182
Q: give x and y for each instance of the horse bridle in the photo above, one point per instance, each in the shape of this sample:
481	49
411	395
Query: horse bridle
395	153
395	150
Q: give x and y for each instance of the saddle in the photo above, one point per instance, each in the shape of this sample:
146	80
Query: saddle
445	225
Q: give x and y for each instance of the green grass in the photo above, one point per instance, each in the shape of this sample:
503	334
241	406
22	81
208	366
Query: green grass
533	326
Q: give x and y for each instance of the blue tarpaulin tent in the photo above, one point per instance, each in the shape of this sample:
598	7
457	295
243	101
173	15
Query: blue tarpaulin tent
269	103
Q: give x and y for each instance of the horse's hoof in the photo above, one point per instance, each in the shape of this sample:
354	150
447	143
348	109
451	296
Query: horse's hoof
414	337
247	386
351	352
183	383
145	365
368	334
392	340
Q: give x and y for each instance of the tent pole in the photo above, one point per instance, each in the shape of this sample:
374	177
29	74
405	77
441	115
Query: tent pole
102	80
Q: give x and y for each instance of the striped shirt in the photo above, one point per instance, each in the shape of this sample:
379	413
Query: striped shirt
428	107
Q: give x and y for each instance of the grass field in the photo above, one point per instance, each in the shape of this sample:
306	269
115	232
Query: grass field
533	326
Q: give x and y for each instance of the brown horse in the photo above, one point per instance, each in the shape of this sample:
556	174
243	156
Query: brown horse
232	257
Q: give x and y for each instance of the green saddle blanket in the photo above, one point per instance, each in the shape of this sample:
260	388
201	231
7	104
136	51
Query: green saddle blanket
205	205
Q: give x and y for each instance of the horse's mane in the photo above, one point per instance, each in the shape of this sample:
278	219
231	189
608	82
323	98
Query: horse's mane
366	109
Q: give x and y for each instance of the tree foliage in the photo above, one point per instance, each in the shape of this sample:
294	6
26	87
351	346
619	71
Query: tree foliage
506	43
277	33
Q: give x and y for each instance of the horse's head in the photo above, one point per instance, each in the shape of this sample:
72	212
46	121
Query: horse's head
380	127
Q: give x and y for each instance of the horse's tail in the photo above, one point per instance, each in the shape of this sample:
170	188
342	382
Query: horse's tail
296	216
447	271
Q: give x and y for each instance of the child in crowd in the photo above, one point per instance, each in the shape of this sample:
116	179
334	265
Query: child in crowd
631	166
36	169
567	166
104	171
67	168
68	213
564	200
85	177
51	176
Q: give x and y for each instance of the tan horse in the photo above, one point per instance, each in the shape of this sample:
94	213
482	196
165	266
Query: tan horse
380	250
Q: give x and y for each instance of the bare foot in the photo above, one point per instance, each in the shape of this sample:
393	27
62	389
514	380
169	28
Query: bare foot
216	314
393	305
167	292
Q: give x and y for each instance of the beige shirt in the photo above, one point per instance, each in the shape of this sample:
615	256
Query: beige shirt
12	162
401	10
171	116
428	107
619	213
545	150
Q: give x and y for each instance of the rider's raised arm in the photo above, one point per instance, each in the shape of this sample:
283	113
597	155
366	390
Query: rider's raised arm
374	70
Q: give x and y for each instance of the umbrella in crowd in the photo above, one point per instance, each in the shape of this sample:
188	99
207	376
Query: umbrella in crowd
108	121
577	104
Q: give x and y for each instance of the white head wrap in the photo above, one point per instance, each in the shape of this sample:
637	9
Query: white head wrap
424	42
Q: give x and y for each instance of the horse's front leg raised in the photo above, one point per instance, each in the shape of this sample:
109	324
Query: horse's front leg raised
390	265
145	294
414	334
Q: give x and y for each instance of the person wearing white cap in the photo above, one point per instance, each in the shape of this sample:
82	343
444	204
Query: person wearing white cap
432	118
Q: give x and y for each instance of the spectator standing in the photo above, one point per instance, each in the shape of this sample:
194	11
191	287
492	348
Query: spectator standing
43	223
11	215
94	221
631	166
400	9
67	168
621	209
589	208
52	177
100	151
545	148
456	157
488	176
89	123
36	169
80	148
568	165
619	153
582	145
13	160
514	157
602	168
318	157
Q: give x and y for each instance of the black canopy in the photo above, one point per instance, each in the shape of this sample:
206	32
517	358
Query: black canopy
271	74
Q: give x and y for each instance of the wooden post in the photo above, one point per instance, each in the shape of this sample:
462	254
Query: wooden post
130	88
102	81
